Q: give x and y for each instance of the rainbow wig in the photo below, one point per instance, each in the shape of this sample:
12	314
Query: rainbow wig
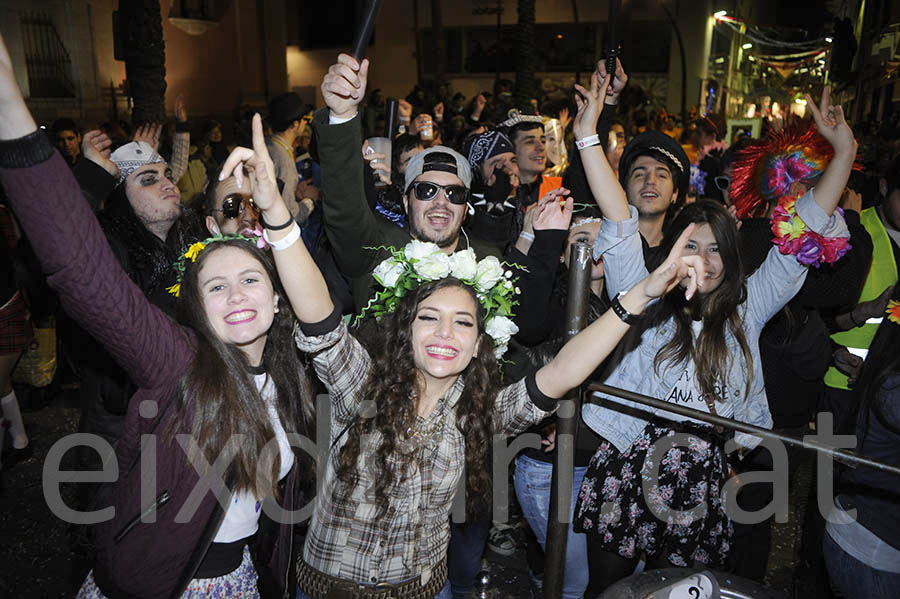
765	169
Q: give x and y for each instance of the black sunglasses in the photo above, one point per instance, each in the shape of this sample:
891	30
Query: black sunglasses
723	182
233	206
427	191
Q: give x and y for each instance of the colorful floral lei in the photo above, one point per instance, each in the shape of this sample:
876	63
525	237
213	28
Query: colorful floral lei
193	251
792	236
893	311
420	262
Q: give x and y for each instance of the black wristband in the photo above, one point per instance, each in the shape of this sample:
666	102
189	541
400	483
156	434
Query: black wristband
266	225
623	314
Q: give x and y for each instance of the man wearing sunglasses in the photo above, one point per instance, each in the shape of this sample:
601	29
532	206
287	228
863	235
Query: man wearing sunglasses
229	209
435	191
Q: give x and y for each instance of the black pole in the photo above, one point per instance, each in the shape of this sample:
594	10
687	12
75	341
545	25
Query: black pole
390	118
612	45
846	457
566	430
364	35
684	109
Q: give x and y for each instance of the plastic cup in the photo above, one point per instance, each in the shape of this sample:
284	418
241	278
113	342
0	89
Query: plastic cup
381	145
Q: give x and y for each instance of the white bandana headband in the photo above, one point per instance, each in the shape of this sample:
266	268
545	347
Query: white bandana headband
133	156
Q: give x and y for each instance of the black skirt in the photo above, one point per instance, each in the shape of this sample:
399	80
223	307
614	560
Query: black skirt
680	515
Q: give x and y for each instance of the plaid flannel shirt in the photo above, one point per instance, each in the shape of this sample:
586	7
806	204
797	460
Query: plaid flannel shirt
345	537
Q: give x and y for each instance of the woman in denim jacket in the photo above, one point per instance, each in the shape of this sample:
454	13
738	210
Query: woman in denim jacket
655	483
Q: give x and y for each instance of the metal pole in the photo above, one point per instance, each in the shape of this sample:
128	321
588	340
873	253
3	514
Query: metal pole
684	108
841	455
566	430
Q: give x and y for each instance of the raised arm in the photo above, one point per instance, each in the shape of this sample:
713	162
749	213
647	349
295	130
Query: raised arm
582	354
181	145
831	124
300	277
350	224
608	194
73	251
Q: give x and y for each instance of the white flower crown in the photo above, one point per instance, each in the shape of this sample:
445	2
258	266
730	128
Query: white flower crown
420	262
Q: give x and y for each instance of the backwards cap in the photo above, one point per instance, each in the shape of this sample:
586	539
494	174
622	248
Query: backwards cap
442	159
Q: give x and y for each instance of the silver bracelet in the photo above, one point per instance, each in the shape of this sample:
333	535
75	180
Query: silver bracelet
527	235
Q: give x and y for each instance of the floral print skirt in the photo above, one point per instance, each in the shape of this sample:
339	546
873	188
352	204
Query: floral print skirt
663	496
239	583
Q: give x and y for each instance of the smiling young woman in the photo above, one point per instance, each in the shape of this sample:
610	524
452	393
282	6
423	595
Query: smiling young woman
702	351
225	381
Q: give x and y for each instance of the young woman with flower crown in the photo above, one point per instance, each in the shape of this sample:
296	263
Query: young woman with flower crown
204	459
703	352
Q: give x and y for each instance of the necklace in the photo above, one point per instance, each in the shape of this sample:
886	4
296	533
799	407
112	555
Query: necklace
284	145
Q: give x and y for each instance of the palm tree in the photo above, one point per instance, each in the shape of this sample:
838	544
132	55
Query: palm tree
140	26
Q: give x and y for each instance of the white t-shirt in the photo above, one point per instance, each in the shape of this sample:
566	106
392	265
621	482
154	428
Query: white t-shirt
686	392
242	516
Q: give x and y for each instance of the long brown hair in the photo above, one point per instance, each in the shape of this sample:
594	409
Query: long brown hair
218	395
392	384
718	309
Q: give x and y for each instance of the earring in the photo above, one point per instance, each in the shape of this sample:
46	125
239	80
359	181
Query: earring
276	303
471	209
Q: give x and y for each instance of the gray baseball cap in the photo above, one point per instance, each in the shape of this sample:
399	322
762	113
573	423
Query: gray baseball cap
442	159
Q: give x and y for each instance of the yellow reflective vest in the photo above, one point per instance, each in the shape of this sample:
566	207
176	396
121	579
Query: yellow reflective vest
882	274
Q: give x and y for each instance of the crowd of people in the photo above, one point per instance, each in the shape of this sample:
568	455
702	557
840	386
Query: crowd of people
206	289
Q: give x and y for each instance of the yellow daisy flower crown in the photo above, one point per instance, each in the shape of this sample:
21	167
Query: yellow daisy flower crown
193	252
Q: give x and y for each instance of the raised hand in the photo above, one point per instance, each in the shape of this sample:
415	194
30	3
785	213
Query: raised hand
344	85
180	110
564	118
590	104
831	123
480	103
149	134
95	145
404	111
439	112
619	81
677	268
258	163
15	119
554	211
380	168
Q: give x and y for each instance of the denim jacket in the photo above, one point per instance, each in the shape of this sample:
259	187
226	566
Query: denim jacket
776	281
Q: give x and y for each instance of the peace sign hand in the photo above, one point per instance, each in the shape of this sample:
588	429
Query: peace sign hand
677	268
590	104
831	123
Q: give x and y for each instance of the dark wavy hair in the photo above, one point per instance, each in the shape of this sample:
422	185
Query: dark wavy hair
718	309
392	386
218	395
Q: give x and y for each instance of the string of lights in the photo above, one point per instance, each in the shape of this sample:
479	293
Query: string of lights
758	36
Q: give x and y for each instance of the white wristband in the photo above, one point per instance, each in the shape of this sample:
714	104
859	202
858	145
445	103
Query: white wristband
286	242
527	235
587	142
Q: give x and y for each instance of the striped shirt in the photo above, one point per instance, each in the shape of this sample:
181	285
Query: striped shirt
345	537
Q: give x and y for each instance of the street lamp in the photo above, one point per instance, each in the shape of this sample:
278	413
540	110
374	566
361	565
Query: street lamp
747	46
720	14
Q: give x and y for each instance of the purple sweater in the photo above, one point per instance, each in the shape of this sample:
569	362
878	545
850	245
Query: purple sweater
134	558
